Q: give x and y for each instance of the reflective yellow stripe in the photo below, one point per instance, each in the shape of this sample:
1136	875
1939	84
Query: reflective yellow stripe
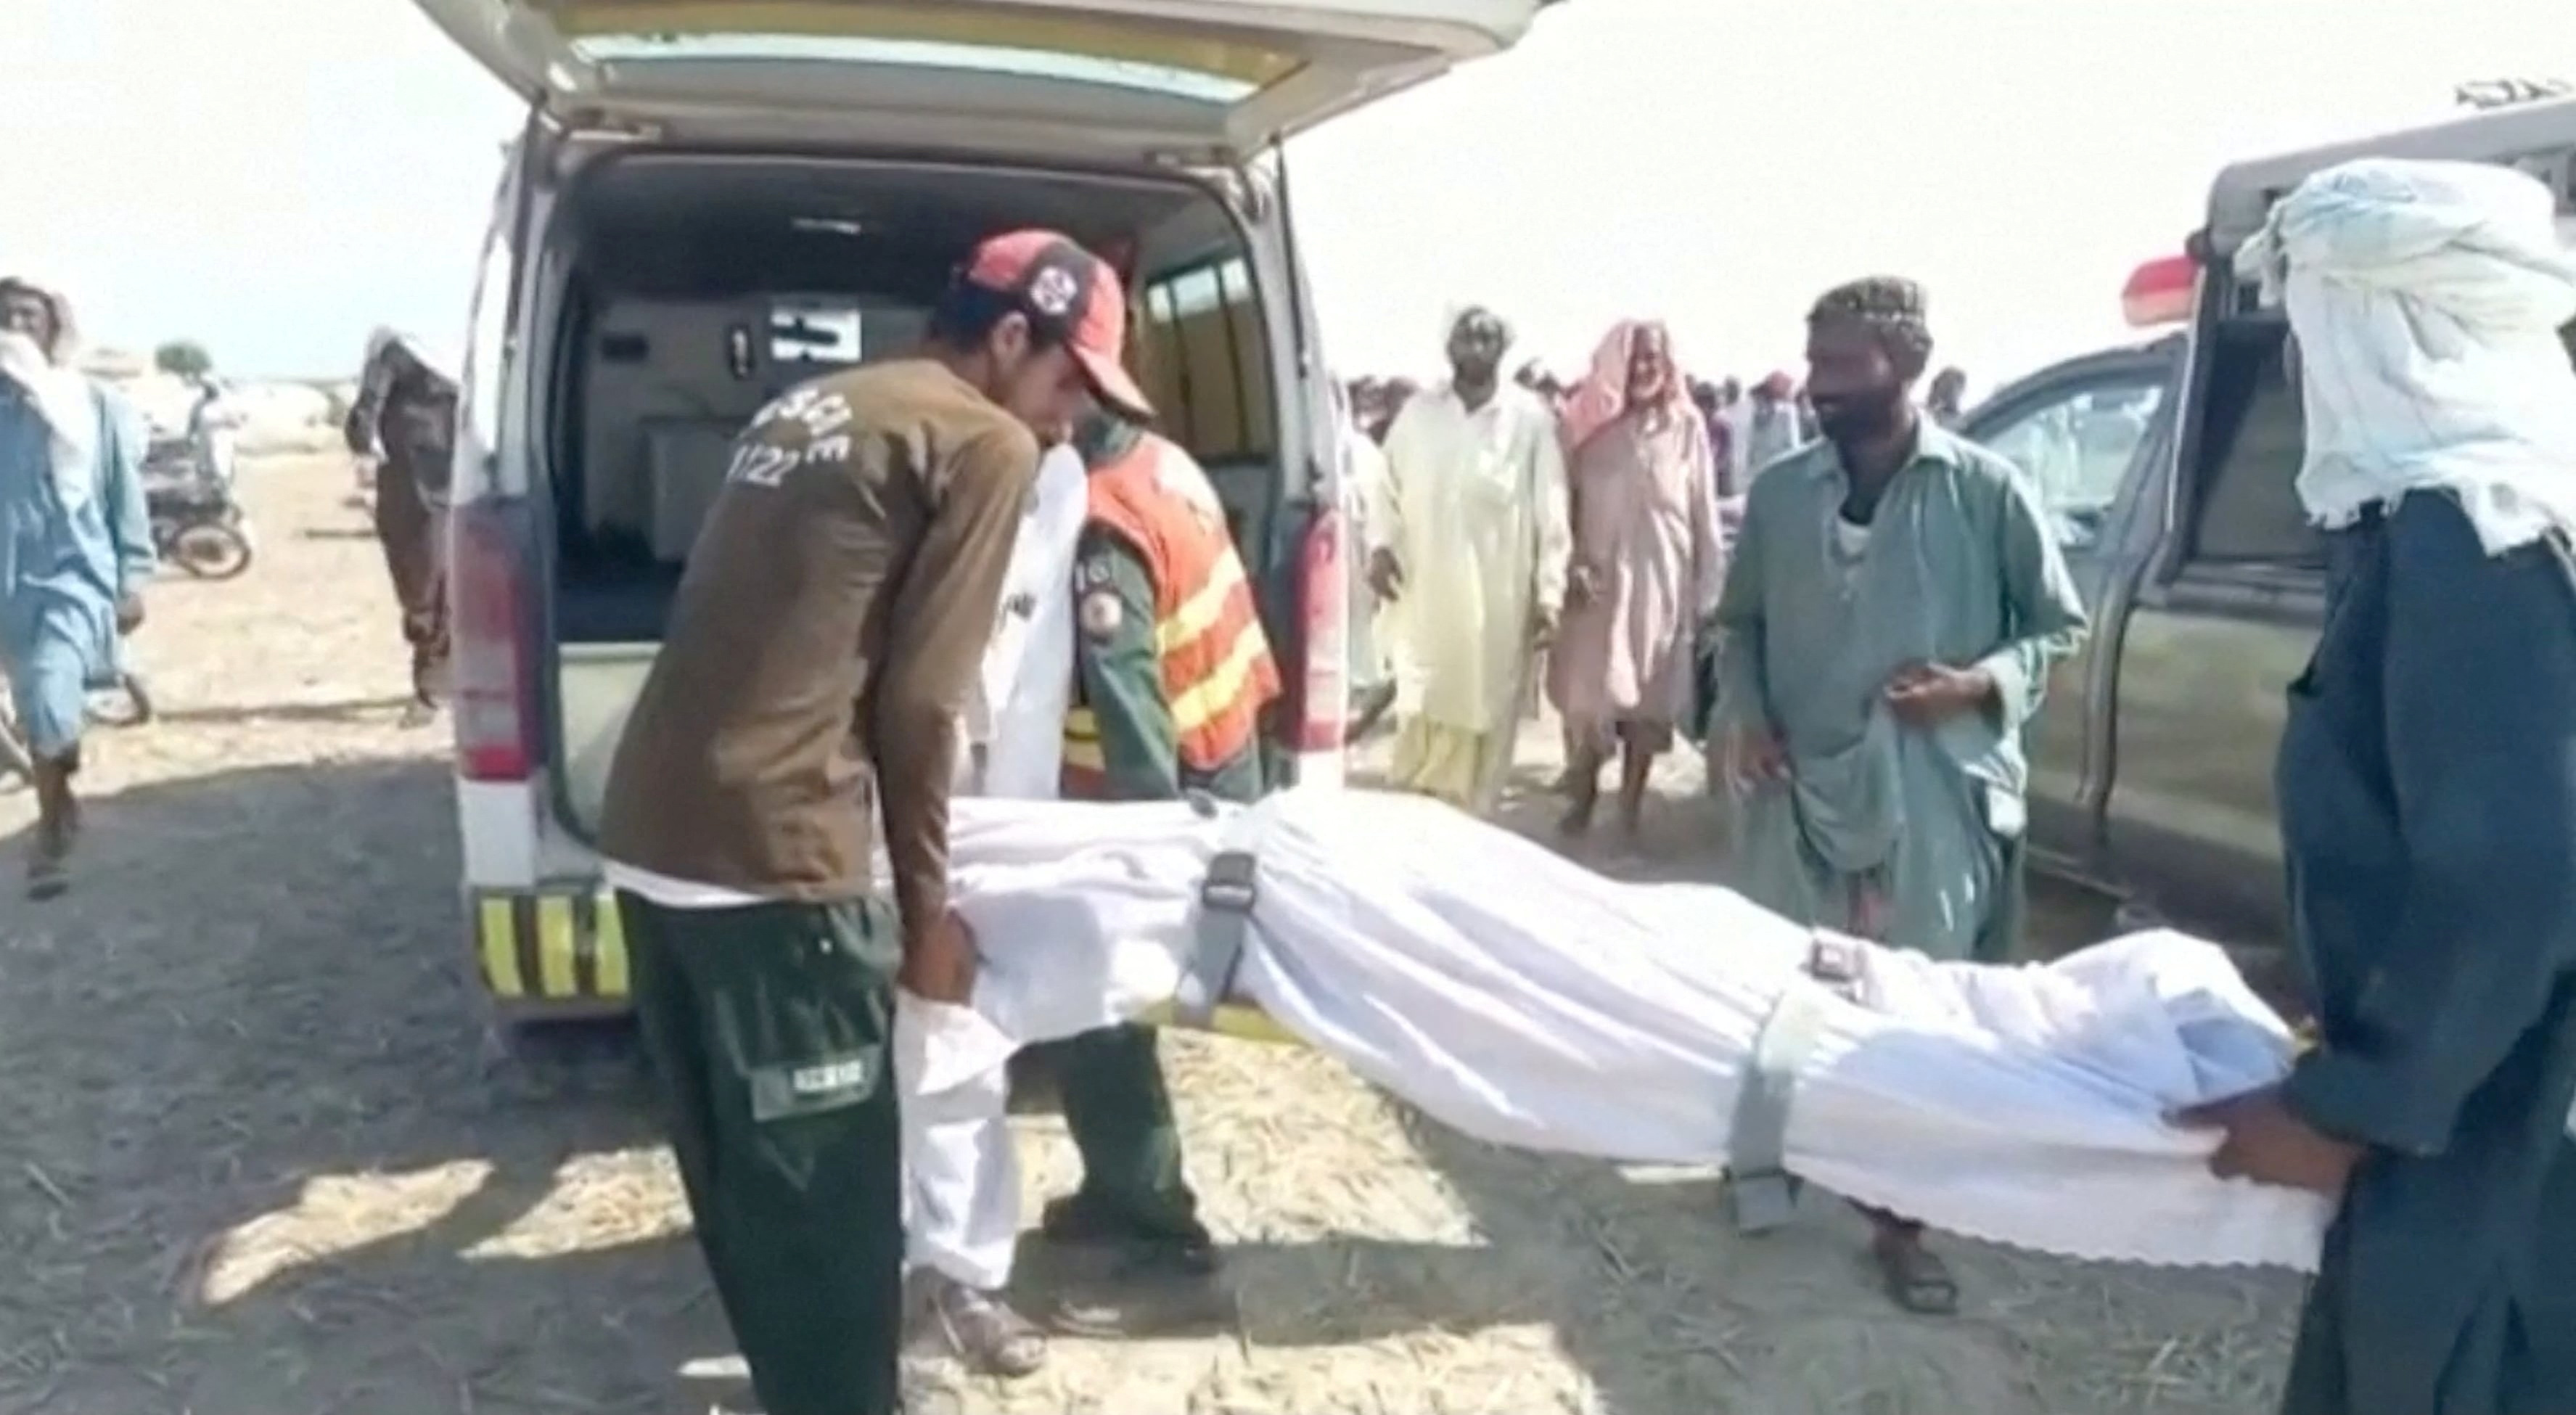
1082	724
1223	685
1086	756
556	974
500	949
1201	611
610	949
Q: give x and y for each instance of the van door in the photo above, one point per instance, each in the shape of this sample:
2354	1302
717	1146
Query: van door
1103	78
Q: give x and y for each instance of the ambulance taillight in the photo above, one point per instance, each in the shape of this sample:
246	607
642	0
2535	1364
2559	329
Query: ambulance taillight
1321	696
493	660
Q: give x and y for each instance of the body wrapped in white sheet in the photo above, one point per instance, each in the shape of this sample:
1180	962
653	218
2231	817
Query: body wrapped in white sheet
1529	1002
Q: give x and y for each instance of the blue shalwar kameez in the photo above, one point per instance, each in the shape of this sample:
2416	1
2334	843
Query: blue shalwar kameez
74	540
2427	784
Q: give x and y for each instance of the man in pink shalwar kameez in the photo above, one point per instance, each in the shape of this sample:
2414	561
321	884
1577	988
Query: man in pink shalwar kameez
1648	565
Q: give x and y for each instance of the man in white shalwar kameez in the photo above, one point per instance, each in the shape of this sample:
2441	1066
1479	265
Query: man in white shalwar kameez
960	1229
1364	493
1471	558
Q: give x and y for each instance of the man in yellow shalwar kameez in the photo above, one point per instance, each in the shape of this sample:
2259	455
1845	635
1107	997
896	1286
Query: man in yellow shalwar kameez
1470	556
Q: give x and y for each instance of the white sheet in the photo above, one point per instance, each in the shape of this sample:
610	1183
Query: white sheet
1530	1002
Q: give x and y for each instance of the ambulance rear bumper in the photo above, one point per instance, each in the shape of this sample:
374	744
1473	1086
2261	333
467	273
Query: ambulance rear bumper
550	954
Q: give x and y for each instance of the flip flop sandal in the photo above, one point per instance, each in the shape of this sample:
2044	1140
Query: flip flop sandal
989	1336
1917	1280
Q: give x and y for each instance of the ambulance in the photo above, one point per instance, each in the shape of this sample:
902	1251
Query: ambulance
713	200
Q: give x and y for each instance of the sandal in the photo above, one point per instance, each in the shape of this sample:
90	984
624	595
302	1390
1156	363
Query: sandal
989	1336
1915	1277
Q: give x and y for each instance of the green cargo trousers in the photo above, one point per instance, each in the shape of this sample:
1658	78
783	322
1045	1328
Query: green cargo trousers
768	1027
1117	1106
1119	1113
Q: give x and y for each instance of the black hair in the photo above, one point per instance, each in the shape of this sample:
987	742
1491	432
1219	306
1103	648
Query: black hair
966	313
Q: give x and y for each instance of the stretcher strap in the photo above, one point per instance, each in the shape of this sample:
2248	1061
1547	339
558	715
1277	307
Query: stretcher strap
1759	1190
1223	924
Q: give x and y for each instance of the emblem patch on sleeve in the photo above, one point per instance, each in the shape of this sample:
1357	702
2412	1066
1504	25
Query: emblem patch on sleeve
1101	613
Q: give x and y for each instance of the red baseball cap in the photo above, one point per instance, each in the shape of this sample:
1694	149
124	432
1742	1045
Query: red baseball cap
1070	295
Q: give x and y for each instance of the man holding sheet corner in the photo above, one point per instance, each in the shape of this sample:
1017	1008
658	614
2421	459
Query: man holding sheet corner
830	625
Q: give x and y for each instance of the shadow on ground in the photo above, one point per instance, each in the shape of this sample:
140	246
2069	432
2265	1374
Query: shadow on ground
335	711
262	1159
265	1158
1670	1308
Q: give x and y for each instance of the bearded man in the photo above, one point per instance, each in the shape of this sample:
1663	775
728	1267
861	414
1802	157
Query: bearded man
1889	619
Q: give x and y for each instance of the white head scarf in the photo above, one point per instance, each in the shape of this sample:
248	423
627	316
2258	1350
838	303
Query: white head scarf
433	359
2426	298
59	395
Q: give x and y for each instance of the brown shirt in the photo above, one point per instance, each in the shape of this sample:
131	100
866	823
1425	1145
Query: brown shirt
836	608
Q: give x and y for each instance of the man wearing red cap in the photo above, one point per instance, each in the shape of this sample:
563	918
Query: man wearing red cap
832	619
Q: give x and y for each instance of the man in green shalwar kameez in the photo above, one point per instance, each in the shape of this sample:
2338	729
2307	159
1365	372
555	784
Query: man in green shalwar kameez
1888	624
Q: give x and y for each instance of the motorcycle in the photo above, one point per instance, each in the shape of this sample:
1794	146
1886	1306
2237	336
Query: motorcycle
196	523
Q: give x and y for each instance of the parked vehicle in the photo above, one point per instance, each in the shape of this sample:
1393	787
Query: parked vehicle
713	202
2152	762
196	523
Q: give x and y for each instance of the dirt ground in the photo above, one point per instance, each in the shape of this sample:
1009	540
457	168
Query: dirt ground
259	1157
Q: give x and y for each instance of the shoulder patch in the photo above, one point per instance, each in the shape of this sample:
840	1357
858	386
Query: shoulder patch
1101	612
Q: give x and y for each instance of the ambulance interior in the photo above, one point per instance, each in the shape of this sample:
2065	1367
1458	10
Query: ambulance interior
703	288
699	288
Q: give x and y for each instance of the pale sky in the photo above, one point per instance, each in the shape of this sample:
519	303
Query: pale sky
275	183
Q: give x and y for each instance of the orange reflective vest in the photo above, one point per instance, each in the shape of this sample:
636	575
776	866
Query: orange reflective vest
1216	666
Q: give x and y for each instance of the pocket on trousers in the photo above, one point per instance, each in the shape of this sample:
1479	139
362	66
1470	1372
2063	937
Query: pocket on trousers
817	1086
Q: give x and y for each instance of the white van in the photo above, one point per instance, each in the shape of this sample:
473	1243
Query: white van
715	200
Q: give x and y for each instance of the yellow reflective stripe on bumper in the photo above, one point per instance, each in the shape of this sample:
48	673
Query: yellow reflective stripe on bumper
500	949
609	937
556	976
551	947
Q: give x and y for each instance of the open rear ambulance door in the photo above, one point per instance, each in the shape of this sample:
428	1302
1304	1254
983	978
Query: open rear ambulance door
1106	79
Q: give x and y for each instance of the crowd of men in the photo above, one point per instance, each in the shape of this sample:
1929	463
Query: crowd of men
1655	467
1662	559
861	635
1879	636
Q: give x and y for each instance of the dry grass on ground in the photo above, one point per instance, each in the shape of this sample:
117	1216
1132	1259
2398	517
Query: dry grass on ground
259	1160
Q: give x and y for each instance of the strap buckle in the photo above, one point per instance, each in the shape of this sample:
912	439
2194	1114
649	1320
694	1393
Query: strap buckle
1761	1200
1233	882
1836	960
